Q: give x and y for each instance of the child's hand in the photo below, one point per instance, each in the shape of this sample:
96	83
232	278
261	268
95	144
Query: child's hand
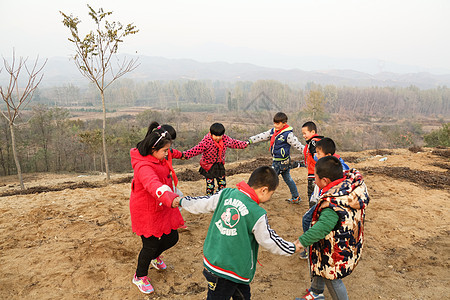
298	246
176	202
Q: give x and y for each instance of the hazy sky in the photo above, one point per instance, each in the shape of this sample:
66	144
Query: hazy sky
263	32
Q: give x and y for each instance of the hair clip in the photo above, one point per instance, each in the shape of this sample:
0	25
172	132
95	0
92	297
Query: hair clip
161	135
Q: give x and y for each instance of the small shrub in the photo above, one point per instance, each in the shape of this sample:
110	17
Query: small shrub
440	137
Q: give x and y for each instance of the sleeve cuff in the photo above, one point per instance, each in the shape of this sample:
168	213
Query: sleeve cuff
300	240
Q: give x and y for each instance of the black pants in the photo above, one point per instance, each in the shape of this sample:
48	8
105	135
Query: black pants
223	289
221	184
152	247
310	190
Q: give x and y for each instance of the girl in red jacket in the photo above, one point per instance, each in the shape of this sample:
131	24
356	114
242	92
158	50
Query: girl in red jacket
153	216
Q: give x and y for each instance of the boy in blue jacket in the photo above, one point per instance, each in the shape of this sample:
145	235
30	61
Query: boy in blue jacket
281	138
238	226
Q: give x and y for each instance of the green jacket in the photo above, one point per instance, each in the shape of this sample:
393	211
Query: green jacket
238	226
230	248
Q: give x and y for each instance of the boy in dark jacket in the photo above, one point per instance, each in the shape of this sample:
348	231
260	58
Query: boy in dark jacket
281	138
238	226
309	131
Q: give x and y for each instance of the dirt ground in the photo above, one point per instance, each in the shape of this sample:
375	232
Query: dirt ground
69	236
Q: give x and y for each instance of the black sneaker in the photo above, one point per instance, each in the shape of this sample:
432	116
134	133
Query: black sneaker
297	164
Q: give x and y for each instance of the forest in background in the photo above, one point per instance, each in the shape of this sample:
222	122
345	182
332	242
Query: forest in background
53	137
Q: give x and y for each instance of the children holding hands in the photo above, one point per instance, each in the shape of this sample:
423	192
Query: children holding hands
333	229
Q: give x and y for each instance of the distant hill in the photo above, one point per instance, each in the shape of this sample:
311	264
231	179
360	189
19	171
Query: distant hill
61	71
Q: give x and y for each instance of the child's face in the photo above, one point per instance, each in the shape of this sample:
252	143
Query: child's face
278	125
307	134
161	153
320	153
216	138
264	194
321	182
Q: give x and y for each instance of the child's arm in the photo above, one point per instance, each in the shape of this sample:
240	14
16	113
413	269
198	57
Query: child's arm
202	204
176	153
196	150
315	195
233	143
268	238
155	187
327	221
294	142
260	137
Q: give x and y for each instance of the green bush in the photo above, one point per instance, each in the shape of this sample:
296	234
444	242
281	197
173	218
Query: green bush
440	137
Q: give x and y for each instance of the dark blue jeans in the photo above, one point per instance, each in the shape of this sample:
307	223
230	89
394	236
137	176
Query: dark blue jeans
223	289
307	218
336	287
282	167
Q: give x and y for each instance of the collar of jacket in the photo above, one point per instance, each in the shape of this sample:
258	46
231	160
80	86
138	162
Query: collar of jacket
246	189
314	136
331	184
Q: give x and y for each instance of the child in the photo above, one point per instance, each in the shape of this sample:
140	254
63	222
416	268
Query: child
153	217
309	130
212	163
324	147
335	239
281	139
172	153
238	226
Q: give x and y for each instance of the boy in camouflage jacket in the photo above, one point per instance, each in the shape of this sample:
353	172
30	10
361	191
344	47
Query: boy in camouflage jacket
335	239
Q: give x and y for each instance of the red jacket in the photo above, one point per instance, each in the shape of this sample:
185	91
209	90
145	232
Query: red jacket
308	153
210	151
174	153
151	197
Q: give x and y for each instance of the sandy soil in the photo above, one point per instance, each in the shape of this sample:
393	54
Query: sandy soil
76	242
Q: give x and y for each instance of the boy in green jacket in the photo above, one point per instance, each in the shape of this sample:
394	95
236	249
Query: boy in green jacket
335	238
238	226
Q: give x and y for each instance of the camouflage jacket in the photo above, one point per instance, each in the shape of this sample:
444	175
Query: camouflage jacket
338	253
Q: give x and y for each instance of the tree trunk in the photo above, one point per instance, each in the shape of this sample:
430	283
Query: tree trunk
2	162
16	158
104	137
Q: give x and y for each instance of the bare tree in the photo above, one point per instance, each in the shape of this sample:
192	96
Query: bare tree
94	54
315	105
16	97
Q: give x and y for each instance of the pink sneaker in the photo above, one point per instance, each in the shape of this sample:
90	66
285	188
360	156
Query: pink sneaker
158	264
143	284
